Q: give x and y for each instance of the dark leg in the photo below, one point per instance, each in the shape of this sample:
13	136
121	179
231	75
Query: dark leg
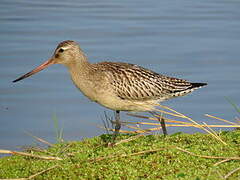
118	123
117	128
164	129
162	122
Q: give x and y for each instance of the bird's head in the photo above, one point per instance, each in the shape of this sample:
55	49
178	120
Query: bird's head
66	53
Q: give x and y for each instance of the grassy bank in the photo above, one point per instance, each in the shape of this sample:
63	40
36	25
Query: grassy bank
178	156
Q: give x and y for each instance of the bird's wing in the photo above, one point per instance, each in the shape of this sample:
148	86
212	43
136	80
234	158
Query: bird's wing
133	82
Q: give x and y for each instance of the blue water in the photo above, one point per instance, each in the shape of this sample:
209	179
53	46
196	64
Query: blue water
195	40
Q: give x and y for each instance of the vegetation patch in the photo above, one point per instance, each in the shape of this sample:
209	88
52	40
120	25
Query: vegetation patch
177	156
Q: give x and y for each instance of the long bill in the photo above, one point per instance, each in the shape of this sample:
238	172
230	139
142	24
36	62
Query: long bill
37	69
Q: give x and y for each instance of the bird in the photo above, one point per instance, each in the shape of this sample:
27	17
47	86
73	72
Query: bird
117	86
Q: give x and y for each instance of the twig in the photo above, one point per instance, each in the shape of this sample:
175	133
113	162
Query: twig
2	151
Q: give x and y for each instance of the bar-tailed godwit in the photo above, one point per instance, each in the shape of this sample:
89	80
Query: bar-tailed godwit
116	85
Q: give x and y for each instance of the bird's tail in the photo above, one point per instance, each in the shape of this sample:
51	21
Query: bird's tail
191	88
197	85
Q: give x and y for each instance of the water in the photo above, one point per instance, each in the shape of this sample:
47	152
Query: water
198	41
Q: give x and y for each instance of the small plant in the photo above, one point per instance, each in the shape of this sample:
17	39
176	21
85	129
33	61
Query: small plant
233	104
237	110
58	130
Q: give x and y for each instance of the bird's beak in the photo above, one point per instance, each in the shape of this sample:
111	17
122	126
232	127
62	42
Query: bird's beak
37	69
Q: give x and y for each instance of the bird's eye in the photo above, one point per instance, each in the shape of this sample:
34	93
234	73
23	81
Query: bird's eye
61	50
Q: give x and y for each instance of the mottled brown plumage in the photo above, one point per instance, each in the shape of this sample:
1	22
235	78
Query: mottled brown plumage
133	82
117	86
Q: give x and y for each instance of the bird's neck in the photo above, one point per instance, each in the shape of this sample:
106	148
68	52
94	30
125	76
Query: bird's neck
78	63
80	68
82	76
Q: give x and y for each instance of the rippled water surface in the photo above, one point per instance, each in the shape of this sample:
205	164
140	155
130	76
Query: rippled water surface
194	40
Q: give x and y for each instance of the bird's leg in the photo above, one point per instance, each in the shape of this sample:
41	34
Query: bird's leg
162	122
117	123
163	125
117	128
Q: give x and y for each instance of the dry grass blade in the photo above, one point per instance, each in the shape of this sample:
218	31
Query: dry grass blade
186	125
2	151
129	132
167	125
170	109
178	114
41	172
15	179
144	123
34	148
230	173
224	120
222	161
137	129
134	127
138	116
209	157
34	175
154	119
40	139
121	131
213	133
168	120
154	129
129	139
194	122
180	123
169	113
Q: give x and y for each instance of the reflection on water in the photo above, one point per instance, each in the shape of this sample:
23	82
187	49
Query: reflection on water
198	41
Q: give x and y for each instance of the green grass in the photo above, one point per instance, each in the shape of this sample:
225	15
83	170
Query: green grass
58	130
233	105
92	159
